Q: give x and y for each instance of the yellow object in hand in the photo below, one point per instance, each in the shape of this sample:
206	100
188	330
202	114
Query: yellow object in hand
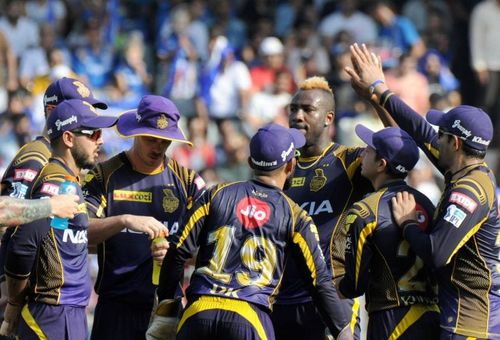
156	264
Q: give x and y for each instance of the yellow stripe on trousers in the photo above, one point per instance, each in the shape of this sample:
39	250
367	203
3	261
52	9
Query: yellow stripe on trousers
242	308
413	314
31	322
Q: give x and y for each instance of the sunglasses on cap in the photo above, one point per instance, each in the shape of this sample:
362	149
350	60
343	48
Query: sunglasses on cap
92	134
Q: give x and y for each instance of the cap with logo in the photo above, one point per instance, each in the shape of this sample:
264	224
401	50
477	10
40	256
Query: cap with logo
274	145
69	88
73	114
469	123
392	144
156	117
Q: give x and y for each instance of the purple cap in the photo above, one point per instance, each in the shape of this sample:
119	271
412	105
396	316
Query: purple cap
392	144
274	145
69	88
156	116
469	123
74	114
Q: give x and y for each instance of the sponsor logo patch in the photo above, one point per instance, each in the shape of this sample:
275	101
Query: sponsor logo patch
19	190
199	182
133	196
422	217
298	182
455	216
252	212
50	188
25	175
463	200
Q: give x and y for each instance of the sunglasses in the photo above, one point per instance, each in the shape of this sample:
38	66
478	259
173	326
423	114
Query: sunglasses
92	134
441	132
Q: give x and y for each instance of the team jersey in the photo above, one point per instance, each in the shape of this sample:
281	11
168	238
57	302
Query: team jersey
325	187
465	241
24	168
245	232
115	188
55	260
19	177
378	261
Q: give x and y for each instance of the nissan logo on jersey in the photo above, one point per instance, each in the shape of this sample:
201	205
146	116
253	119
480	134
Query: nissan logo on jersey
252	213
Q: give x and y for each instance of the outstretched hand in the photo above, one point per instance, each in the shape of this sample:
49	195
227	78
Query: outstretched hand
403	207
367	68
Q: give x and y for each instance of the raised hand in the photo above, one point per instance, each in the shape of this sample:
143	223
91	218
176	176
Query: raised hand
403	207
366	71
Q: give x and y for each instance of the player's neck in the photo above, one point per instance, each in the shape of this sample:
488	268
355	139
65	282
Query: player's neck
463	165
316	149
68	160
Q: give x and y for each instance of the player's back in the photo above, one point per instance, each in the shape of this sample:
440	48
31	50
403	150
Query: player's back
397	277
243	244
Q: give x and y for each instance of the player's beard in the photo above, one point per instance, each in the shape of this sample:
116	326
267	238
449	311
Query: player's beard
288	182
82	159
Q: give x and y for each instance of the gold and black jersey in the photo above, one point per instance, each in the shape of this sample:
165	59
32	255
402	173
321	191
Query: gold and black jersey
115	188
55	260
464	244
325	187
379	261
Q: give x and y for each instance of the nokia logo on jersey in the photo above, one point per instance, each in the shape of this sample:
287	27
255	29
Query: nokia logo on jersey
80	236
252	213
315	208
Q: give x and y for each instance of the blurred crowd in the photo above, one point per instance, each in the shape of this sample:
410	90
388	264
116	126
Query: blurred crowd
232	66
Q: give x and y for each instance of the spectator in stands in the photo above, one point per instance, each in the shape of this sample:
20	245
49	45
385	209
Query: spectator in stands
397	34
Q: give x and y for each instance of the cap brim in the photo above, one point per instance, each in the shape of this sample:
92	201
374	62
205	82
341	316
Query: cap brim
435	117
127	127
299	140
96	103
100	122
365	134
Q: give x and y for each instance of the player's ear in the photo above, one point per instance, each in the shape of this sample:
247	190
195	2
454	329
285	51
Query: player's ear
250	164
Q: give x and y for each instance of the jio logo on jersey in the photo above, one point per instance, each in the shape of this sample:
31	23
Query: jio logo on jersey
252	213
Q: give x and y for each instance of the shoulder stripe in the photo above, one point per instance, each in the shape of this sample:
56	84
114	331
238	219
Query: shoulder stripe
195	217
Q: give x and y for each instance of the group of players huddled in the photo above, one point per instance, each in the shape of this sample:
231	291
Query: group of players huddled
284	255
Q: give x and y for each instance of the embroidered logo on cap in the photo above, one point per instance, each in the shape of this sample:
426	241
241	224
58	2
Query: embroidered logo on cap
162	122
457	124
82	89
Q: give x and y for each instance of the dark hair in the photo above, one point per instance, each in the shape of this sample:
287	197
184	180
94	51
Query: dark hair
473	153
389	170
470	151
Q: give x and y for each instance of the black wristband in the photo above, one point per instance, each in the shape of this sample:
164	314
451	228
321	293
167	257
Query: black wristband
406	224
383	98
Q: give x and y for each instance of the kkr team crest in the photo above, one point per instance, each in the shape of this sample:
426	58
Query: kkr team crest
318	181
162	122
82	89
170	202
